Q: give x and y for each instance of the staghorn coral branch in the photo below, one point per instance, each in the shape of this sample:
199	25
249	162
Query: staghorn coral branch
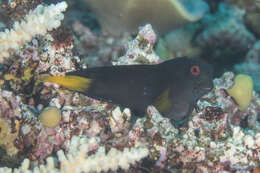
77	159
41	20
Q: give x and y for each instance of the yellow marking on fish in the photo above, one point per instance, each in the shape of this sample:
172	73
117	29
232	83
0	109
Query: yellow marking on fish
27	74
162	102
74	83
10	77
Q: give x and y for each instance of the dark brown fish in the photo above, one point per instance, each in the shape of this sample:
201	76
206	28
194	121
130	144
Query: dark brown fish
173	86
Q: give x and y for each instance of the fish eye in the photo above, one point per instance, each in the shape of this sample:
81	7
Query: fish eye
195	70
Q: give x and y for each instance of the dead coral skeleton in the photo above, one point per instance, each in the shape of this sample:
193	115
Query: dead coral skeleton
41	20
77	159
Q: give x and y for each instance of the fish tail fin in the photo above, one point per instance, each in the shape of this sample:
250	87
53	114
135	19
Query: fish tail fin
71	82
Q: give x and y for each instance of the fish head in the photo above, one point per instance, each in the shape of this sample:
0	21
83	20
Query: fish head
190	78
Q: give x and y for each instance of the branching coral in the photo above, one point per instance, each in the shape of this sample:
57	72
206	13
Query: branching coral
101	161
77	159
41	20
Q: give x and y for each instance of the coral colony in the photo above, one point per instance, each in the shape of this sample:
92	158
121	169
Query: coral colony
47	128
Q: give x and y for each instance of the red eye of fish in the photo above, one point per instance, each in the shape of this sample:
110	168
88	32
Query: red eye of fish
195	70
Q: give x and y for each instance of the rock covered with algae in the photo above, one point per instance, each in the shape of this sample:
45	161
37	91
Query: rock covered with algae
215	139
211	142
80	115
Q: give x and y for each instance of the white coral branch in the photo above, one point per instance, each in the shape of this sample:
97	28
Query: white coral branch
77	159
113	160
41	20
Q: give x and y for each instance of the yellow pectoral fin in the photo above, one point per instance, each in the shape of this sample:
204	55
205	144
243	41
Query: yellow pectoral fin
75	83
162	102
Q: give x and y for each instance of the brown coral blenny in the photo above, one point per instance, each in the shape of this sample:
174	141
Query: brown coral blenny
173	87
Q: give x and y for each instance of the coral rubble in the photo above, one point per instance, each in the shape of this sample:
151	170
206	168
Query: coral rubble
95	136
140	50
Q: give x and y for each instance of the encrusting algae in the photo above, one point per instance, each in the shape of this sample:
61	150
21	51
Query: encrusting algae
50	116
7	138
242	90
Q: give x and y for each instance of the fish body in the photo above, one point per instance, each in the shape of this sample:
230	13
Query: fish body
173	86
